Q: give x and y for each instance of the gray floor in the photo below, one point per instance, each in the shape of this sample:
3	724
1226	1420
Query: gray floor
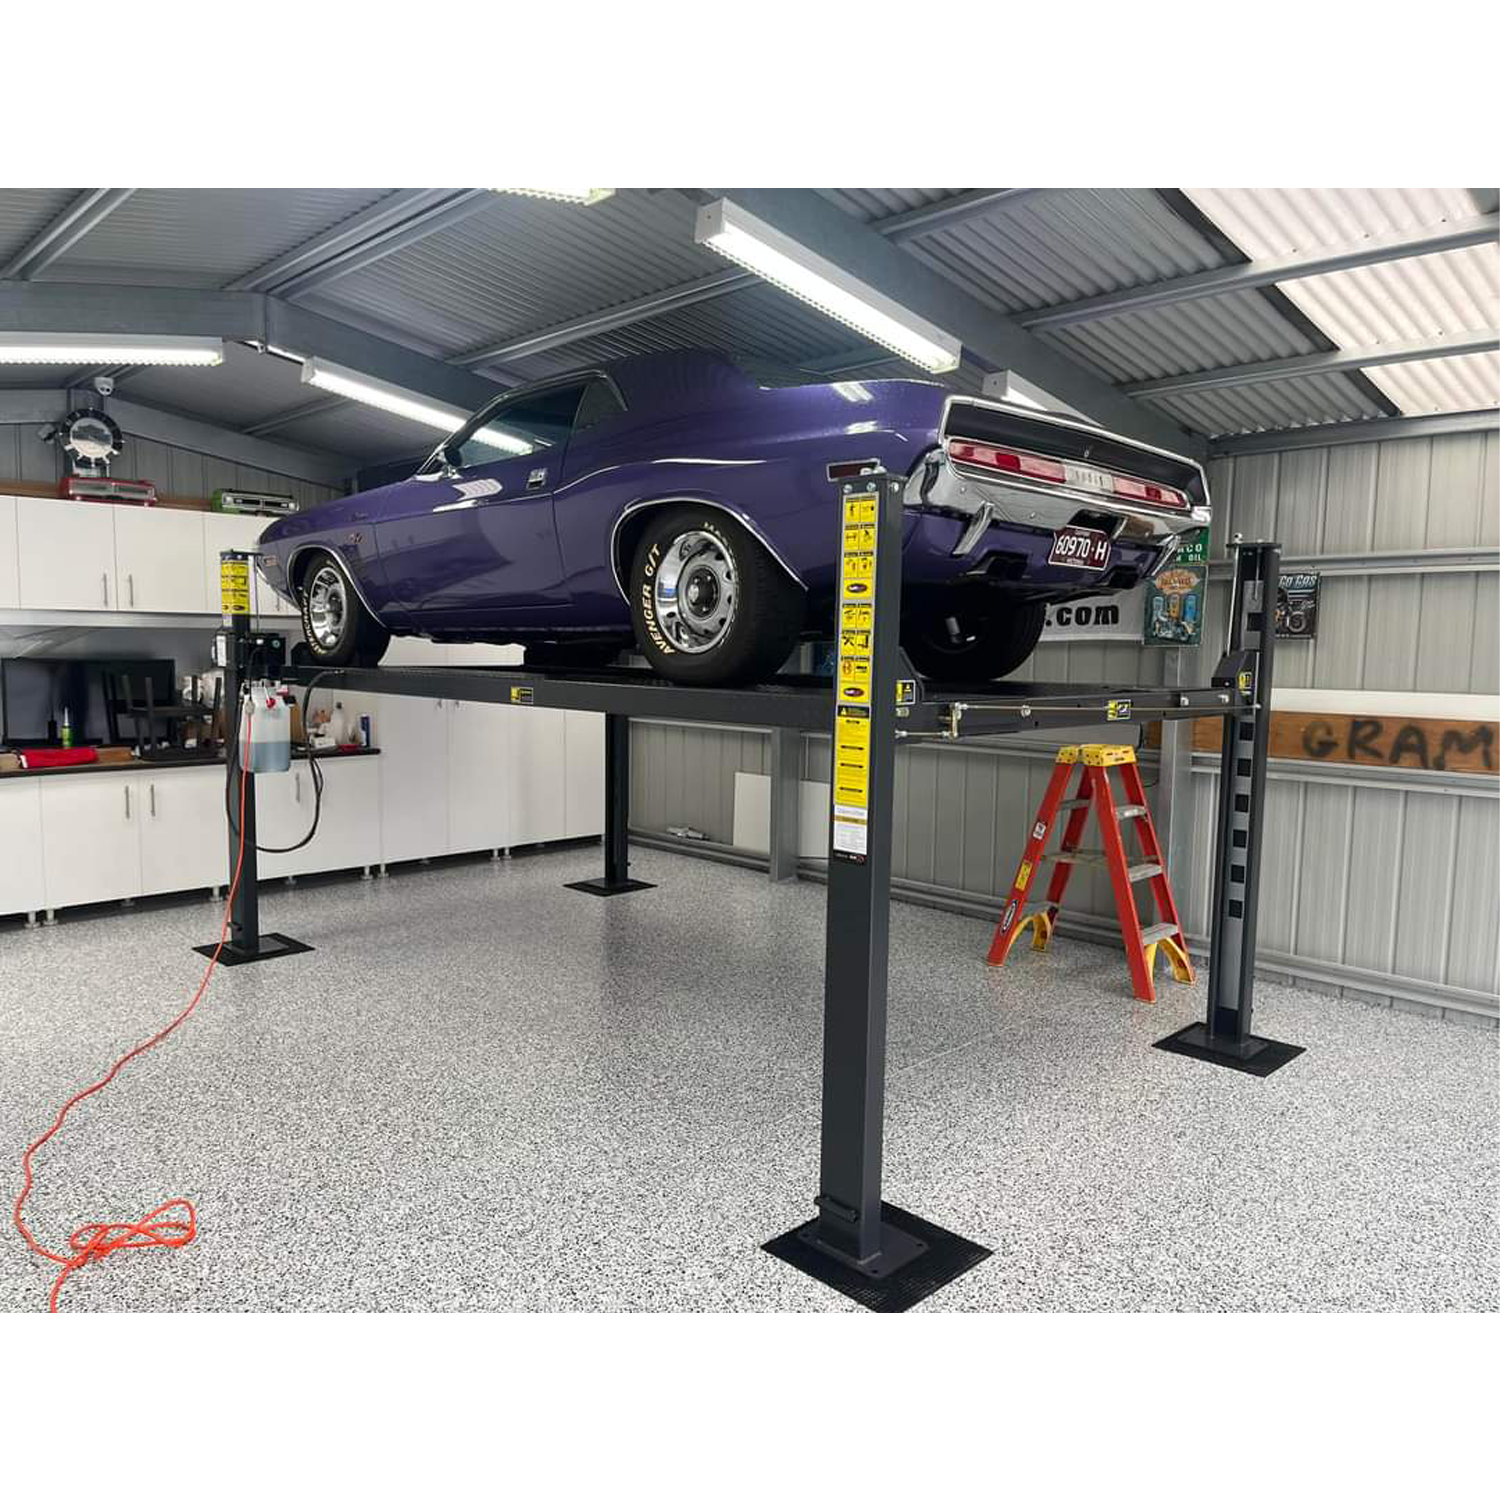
483	1091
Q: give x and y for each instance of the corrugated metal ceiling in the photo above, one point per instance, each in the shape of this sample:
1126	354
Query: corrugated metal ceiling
247	388
25	212
204	237
1419	297
527	263
866	204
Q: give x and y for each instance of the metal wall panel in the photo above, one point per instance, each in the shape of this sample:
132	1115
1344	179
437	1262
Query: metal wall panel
174	471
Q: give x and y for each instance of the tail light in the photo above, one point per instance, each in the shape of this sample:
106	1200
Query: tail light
1062	471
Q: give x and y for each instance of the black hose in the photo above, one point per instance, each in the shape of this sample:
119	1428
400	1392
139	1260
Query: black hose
315	770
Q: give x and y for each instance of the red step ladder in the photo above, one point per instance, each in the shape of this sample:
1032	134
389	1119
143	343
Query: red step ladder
1094	792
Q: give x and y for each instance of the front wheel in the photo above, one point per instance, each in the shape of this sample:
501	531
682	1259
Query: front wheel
338	629
710	604
973	640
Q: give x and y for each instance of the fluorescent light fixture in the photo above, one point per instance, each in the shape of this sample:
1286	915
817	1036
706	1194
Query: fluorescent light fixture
403	403
563	195
776	257
108	349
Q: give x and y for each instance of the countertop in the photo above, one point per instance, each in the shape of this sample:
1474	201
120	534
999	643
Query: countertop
186	763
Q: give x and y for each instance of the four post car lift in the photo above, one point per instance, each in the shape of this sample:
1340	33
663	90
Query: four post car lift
882	1256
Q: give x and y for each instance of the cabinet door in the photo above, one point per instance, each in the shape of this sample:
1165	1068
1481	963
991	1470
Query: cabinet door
21	884
10	578
159	562
584	797
412	736
65	552
184	840
91	839
538	779
240	533
480	814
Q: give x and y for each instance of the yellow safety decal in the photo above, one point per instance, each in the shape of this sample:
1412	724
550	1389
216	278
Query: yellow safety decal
234	586
521	695
854	677
1119	708
1247	682
1023	875
906	691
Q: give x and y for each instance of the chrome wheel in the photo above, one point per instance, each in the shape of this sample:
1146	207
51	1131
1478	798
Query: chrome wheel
327	607
694	591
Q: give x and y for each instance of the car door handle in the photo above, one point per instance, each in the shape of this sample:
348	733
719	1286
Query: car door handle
536	479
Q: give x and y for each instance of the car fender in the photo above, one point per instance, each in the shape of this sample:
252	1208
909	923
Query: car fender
646	502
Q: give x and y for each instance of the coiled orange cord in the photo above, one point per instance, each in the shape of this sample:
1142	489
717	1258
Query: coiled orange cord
97	1241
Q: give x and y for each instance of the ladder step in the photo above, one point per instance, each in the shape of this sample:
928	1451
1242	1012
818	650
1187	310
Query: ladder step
1154	934
1096	857
1135	810
1076	802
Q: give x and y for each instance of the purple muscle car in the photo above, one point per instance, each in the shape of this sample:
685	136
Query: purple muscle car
682	504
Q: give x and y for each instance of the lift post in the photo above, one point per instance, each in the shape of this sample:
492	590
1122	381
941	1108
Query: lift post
1225	1036
616	881
880	1255
237	647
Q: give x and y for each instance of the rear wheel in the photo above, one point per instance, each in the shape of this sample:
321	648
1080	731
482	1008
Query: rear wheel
338	629
975	639
710	604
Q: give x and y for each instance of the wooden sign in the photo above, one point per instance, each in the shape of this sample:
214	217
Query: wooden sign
1390	740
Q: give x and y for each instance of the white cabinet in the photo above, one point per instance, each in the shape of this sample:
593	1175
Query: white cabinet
584	794
159	561
21	843
91	847
10	577
412	735
348	835
65	553
184	840
538	779
481	770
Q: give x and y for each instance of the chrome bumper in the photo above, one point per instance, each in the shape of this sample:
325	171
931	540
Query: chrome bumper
942	487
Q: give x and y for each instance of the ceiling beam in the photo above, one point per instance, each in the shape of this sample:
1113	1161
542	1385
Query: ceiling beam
86	211
394	208
992	338
150	423
575	330
1457	235
249	317
424	220
285	418
958	208
898	228
1333	434
1321	362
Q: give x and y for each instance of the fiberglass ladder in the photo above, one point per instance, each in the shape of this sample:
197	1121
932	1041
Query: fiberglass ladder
1094	792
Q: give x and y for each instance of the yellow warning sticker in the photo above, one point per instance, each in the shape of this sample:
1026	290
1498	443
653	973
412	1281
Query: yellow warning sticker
856	662
856	617
861	510
521	695
859	539
854	669
1023	875
234	586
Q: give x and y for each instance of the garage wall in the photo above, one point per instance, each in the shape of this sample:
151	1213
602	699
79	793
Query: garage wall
179	472
1381	882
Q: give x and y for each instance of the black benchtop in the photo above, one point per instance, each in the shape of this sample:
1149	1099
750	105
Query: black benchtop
183	764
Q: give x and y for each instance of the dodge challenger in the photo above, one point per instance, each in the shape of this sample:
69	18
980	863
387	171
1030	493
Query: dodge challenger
684	504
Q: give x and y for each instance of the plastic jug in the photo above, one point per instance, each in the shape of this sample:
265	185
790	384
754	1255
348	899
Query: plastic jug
268	712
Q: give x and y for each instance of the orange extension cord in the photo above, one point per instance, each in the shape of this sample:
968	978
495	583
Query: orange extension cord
96	1241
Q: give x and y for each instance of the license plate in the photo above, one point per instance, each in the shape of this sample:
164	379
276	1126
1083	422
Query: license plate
1078	547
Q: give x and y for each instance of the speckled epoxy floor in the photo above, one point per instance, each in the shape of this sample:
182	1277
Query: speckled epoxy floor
485	1092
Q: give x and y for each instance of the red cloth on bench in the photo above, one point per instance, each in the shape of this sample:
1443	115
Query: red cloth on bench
46	760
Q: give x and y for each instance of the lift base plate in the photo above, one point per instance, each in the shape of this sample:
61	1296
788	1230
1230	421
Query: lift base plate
924	1258
272	945
604	888
1258	1055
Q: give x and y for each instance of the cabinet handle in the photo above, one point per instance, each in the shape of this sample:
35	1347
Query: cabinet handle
105	578
127	804
130	579
153	798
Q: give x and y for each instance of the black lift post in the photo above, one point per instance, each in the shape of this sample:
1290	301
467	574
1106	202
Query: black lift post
245	943
616	881
1225	1037
877	1254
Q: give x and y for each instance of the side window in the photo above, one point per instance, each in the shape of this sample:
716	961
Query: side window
524	424
599	404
